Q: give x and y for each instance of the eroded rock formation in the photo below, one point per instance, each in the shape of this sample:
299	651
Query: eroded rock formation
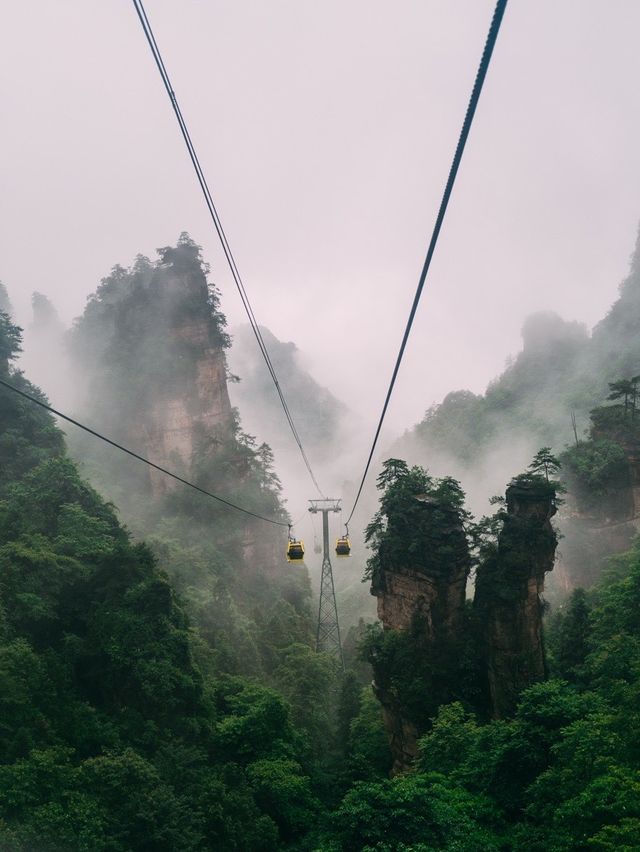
509	585
424	599
149	355
192	412
433	586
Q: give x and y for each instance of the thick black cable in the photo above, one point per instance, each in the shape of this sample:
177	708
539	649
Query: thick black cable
464	133
146	26
139	457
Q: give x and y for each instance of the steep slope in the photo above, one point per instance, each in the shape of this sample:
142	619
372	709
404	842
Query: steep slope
602	512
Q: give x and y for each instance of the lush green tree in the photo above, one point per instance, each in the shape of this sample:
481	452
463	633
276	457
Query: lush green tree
367	757
348	707
569	636
627	390
111	736
420	521
281	791
27	433
417	812
309	681
597	467
10	341
544	462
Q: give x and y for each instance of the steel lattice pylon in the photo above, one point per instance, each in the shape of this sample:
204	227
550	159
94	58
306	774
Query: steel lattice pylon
328	633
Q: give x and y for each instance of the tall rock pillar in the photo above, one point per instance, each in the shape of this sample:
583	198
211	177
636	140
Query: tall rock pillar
421	597
509	584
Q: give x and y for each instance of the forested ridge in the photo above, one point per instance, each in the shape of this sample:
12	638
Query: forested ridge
159	684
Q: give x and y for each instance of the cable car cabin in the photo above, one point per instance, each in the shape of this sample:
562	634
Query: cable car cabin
295	551
343	546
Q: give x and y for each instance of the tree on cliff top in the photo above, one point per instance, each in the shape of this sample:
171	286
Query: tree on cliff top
598	468
420	522
532	483
626	389
544	462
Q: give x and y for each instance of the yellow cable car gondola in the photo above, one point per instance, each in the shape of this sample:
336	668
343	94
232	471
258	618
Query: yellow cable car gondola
295	550
343	546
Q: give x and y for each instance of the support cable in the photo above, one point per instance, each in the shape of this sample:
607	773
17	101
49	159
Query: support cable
141	458
464	133
146	26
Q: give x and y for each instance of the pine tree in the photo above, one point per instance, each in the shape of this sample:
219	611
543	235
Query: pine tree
544	462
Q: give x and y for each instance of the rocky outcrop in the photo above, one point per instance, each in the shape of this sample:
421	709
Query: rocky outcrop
192	411
149	354
509	585
434	593
403	734
424	598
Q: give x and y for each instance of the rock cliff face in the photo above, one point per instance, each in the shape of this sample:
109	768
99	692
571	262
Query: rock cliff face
150	352
507	600
193	410
433	590
403	734
149	355
425	599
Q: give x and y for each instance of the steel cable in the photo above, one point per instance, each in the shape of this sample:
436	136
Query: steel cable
146	26
139	457
453	171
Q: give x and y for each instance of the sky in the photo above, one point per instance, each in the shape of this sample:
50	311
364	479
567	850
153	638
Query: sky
326	131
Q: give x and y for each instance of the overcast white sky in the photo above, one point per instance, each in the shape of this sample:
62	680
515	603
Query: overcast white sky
326	130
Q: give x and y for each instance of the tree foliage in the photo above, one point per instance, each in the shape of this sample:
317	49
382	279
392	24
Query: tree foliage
112	736
420	521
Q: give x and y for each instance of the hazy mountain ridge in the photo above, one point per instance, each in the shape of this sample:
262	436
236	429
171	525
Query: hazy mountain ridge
561	371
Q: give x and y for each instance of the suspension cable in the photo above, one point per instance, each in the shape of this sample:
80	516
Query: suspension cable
155	50
464	133
139	457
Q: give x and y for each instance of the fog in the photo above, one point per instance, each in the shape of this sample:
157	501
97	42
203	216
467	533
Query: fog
326	132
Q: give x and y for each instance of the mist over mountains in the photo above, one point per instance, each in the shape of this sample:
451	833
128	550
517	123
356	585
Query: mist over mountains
561	373
562	370
179	640
321	419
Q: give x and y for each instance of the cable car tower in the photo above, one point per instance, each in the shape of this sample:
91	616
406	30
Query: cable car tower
328	635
